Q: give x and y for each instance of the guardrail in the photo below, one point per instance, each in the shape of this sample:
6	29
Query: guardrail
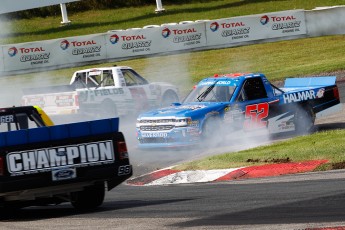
170	38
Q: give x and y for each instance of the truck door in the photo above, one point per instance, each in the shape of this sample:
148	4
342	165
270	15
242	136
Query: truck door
138	88
254	104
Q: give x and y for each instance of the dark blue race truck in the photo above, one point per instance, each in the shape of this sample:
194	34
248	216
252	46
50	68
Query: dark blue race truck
247	102
42	163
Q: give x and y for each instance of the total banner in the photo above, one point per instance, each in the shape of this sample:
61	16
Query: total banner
28	55
255	27
81	49
54	52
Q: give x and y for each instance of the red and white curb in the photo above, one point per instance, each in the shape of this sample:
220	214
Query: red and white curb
170	176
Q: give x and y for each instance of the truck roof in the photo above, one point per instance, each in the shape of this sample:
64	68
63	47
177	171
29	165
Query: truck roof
103	68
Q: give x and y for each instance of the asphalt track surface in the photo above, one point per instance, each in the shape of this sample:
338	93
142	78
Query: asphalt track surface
300	201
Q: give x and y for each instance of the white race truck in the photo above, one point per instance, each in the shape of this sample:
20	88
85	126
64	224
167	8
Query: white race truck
107	91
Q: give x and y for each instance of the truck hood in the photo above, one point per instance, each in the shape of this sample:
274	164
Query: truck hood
185	110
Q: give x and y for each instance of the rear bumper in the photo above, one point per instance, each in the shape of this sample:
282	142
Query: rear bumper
10	185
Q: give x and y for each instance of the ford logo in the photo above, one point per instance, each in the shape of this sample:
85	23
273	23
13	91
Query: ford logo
66	173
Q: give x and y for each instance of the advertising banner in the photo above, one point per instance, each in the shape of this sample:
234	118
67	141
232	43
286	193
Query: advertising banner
255	27
80	49
133	42
28	55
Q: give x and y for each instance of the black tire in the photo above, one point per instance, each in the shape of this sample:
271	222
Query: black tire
168	98
90	198
304	120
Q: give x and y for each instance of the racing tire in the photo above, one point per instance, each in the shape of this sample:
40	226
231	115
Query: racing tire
211	131
304	120
168	98
90	198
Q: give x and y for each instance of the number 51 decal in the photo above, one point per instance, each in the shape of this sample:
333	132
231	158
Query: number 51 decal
254	116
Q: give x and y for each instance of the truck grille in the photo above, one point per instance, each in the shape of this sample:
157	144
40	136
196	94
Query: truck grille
156	128
156	140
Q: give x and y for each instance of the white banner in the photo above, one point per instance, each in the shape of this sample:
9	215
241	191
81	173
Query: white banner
255	27
8	6
28	55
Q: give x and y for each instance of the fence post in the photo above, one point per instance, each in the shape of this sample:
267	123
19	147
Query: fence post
159	6
65	20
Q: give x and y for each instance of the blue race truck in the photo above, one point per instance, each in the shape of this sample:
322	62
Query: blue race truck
231	102
42	163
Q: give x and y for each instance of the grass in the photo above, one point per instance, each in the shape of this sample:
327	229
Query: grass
278	60
100	21
326	145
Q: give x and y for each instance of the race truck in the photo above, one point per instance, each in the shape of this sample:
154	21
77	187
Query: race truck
225	104
42	163
107	91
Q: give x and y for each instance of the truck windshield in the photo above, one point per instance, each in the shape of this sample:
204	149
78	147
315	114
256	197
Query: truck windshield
211	93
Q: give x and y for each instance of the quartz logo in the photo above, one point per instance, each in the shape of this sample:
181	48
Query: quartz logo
12	51
64	45
214	26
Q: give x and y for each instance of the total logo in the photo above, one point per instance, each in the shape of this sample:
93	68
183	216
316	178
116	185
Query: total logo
214	26
64	45
12	51
264	20
114	39
166	32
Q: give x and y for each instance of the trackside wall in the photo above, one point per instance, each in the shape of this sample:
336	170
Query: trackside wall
170	38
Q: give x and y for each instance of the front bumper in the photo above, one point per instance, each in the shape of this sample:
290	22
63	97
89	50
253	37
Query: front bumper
177	137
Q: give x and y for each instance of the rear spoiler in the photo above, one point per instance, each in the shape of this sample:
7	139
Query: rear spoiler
310	82
59	132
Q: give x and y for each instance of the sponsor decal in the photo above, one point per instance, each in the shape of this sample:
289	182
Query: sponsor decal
64	173
264	20
12	51
219	82
35	55
87	49
187	36
6	119
84	95
320	93
214	26
286	24
136	43
36	101
64	100
299	96
166	33
46	159
114	39
64	45
150	135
